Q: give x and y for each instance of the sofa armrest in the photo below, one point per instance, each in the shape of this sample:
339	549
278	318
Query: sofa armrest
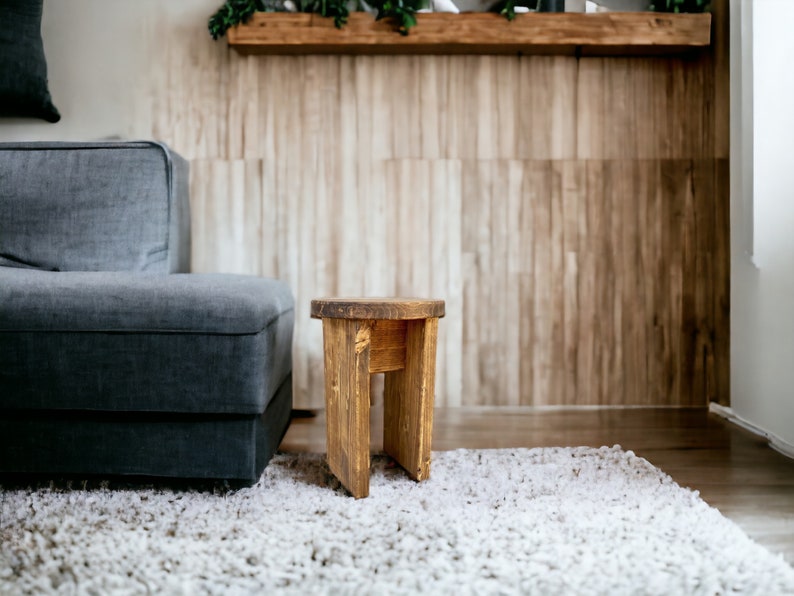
111	206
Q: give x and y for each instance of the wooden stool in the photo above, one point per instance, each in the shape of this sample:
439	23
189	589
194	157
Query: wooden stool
396	336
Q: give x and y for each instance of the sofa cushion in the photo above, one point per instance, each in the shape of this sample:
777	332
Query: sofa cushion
128	342
120	206
117	301
23	69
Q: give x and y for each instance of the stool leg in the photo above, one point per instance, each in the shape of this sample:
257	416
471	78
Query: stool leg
408	401
347	349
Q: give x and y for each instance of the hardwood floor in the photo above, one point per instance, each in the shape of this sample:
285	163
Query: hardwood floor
734	470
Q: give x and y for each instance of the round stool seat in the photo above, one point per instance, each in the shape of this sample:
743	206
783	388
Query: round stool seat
395	309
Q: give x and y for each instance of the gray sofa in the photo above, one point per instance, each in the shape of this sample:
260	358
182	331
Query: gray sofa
114	360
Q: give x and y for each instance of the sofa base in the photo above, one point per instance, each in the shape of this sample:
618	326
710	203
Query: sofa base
200	446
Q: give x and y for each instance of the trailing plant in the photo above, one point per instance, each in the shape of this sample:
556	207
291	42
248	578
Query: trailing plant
680	5
508	9
403	11
233	12
327	8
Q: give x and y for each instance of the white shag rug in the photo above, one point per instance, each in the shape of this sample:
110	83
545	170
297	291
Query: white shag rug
522	521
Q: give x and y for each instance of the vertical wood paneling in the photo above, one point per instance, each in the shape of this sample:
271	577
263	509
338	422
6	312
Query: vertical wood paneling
571	212
543	338
574	239
227	235
446	276
547	107
719	104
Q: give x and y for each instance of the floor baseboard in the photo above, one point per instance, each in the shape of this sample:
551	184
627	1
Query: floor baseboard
775	442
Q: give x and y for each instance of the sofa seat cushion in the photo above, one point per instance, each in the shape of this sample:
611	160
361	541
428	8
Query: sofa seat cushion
198	343
128	302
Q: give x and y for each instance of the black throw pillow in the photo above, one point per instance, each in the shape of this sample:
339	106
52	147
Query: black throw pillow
23	68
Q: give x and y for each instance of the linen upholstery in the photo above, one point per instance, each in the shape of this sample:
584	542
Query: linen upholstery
186	446
94	207
95	330
120	301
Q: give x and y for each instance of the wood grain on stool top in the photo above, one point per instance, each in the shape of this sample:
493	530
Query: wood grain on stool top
377	308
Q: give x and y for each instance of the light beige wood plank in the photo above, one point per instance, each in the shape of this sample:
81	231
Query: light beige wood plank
478	197
591	133
547	107
459	140
243	109
431	92
588	283
494	107
446	276
490	223
384	71
620	134
226	233
470	365
526	324
406	104
201	199
263	129
514	267
543	298
573	210
251	224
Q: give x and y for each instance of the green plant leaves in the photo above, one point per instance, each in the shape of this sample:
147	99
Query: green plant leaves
231	13
328	8
403	11
507	9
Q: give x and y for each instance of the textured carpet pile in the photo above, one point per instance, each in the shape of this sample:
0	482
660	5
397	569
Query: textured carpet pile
539	521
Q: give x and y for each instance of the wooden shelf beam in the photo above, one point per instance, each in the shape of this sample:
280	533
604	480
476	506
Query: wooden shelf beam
600	34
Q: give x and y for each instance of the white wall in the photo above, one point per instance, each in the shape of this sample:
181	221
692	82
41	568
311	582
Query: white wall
99	54
762	217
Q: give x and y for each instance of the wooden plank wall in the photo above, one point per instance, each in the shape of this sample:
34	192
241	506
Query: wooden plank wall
573	213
